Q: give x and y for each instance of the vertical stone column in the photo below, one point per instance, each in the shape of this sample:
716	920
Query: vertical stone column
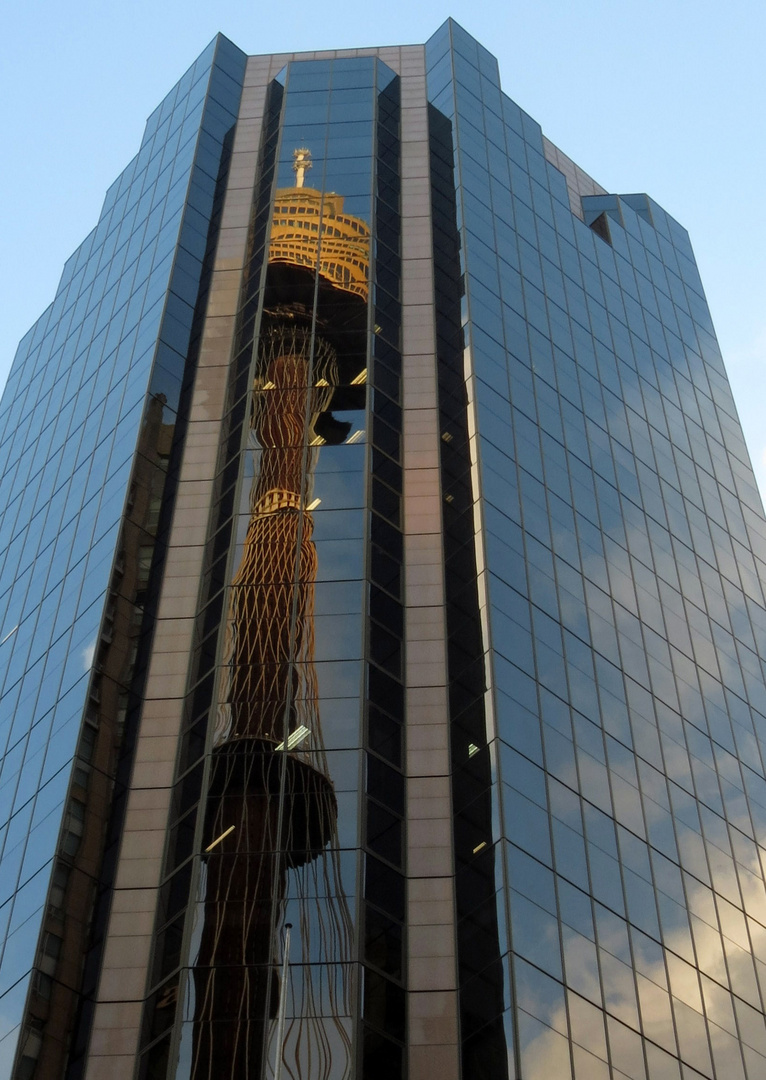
434	1046
115	1034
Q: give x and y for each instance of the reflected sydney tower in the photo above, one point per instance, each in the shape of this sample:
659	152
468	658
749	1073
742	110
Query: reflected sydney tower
271	804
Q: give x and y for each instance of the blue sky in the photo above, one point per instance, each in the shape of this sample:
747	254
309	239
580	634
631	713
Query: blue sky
662	96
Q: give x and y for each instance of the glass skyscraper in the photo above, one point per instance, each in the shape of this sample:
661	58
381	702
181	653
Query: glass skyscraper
382	617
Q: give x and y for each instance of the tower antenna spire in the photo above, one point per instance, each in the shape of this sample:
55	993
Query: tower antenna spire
301	164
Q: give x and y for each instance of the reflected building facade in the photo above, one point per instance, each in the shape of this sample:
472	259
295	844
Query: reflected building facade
382	559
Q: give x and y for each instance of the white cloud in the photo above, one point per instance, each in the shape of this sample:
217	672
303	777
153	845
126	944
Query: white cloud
87	655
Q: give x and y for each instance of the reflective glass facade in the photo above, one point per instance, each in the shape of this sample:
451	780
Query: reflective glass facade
383	609
607	825
88	418
304	661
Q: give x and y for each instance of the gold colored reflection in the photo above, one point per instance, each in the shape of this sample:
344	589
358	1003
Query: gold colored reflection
271	825
309	229
271	627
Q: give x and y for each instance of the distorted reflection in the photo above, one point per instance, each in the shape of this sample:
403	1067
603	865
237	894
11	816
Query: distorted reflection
310	229
271	826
